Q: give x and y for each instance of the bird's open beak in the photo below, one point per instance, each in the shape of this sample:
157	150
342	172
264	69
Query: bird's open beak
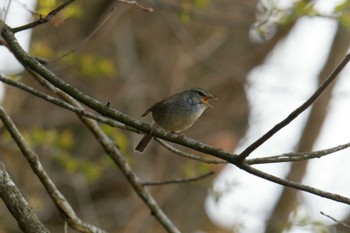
207	99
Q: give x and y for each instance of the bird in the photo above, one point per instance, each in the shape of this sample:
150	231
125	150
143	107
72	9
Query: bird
177	112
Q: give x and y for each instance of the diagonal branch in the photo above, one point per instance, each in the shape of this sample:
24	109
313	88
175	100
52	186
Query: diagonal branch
57	197
292	184
188	155
346	226
64	104
178	180
298	156
245	153
18	206
136	3
43	20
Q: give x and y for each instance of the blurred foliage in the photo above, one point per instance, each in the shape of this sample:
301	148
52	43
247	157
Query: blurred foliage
193	169
59	145
52	138
271	14
118	136
299	219
343	10
72	11
84	65
187	8
92	170
91	66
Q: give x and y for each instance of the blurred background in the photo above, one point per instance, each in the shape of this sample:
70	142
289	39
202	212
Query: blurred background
262	59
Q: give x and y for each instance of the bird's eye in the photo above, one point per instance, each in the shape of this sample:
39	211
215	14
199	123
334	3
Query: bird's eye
201	93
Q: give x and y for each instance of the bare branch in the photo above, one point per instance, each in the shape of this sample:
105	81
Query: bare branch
17	205
134	2
178	181
188	155
112	150
87	38
43	20
245	153
337	221
298	156
292	184
64	104
29	61
57	197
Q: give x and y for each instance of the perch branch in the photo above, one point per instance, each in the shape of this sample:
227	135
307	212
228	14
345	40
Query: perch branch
112	150
28	61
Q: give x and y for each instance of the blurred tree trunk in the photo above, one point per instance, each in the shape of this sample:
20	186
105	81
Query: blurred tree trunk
288	200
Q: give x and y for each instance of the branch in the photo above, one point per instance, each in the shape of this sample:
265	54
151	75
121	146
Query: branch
42	19
188	155
134	2
20	209
64	104
85	40
112	150
299	156
177	181
57	197
28	61
245	153
346	226
292	184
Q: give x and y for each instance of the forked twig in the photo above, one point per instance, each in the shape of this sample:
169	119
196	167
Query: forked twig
136	3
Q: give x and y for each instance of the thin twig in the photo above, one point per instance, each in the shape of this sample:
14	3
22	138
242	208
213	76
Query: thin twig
293	184
57	197
298	156
337	221
43	20
245	153
178	180
134	2
188	155
87	38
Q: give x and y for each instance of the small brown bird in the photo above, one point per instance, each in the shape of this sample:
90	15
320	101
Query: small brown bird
177	113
